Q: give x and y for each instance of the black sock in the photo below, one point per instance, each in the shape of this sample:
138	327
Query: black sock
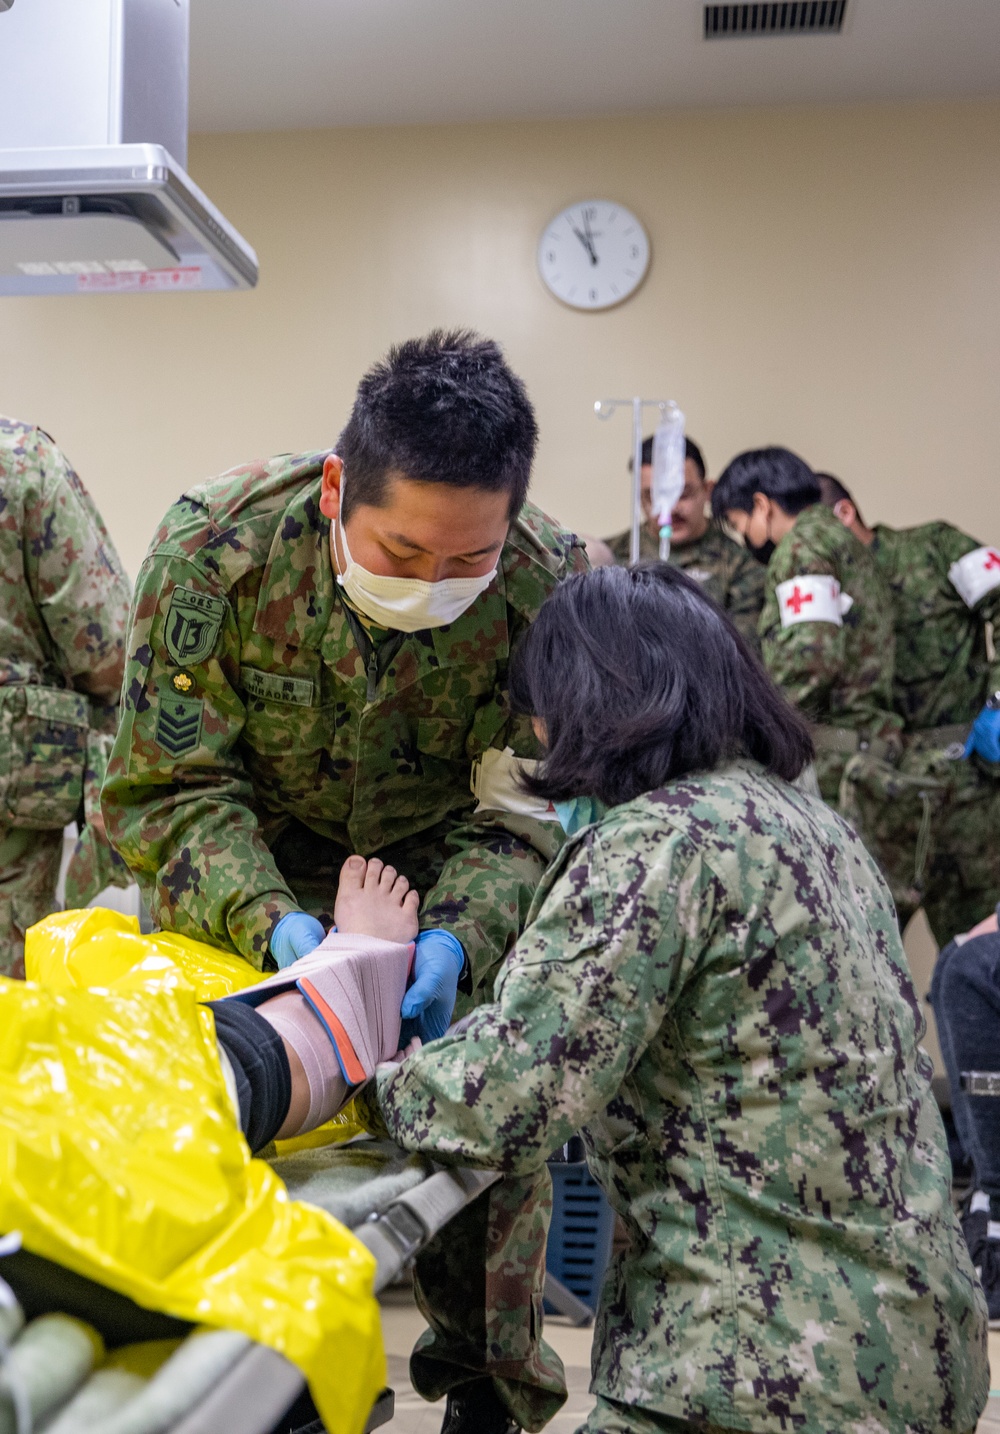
260	1065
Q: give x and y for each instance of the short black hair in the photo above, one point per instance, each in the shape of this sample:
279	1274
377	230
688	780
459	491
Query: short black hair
640	679
691	450
832	492
778	473
442	409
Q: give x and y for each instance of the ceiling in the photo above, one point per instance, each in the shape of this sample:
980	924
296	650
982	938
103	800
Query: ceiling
290	64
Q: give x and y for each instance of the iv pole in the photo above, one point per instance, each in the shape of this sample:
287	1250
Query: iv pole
604	408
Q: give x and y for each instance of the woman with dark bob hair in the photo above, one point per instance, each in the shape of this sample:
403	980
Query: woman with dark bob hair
711	986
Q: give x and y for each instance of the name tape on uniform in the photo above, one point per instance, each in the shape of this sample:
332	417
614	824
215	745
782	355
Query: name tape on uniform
813	597
275	687
496	786
976	574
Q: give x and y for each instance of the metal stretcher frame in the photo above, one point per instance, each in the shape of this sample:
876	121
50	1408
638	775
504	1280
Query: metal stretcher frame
257	1394
254	1394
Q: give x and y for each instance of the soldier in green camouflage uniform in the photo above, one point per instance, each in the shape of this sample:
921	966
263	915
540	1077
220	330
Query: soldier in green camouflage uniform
826	626
938	817
271	728
256	755
712	985
63	612
726	571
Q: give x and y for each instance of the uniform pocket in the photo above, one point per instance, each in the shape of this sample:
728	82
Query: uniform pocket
443	738
43	740
275	729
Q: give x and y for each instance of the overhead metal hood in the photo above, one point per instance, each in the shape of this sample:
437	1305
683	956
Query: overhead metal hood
93	123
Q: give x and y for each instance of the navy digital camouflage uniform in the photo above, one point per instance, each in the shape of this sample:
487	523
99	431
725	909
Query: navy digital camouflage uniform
729	574
712	986
944	671
265	736
63	612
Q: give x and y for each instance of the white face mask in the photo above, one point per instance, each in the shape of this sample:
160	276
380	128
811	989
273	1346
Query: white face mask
406	604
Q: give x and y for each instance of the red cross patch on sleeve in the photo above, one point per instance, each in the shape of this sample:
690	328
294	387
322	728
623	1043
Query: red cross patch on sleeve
976	574
814	597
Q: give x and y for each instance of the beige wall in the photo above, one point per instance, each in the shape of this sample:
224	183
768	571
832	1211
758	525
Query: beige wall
825	278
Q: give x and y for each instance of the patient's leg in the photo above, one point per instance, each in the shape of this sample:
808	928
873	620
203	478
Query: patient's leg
336	1011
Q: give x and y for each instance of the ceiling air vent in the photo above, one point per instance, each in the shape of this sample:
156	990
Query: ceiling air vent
779	17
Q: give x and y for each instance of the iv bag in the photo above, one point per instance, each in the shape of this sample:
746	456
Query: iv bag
668	470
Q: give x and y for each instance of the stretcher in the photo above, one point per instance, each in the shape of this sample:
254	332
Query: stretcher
395	1202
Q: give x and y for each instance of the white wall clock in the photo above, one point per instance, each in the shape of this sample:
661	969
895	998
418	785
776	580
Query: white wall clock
594	254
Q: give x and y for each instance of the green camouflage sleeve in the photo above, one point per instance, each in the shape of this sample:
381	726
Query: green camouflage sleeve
746	597
77	583
806	659
975	573
177	799
579	1000
494	865
496	861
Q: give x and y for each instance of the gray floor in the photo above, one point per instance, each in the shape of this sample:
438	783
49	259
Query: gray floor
401	1323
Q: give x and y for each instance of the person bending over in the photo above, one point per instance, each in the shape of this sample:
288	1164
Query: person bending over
826	625
711	985
945	589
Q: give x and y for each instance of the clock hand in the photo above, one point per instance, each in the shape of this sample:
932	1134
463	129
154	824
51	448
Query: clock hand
586	242
590	241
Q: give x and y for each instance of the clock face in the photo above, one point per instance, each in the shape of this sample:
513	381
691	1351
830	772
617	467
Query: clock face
593	254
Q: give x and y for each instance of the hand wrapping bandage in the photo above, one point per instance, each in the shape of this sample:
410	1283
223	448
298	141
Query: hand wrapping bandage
354	986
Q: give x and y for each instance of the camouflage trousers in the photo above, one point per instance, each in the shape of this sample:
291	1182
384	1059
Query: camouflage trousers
480	1283
932	821
480	1288
610	1417
29	871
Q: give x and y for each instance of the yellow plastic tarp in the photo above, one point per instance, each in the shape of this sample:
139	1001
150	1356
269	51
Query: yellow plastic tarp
121	1158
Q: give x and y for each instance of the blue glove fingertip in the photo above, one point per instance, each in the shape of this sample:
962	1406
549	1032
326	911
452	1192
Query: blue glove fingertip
294	936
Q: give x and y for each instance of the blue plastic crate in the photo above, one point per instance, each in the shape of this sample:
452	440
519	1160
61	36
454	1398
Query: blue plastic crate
581	1233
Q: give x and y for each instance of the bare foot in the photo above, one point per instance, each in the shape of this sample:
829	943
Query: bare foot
373	900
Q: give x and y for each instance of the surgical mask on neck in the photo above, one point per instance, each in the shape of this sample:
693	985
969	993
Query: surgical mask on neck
405	604
577	813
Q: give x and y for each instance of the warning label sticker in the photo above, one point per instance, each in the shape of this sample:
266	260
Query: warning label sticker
146	281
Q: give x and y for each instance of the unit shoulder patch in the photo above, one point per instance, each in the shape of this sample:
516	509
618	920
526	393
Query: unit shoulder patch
275	687
976	574
178	723
194	621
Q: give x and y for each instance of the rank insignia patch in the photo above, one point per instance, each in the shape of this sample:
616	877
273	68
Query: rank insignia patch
178	724
193	624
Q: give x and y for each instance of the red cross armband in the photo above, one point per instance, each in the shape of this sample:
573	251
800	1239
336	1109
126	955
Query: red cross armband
814	597
975	575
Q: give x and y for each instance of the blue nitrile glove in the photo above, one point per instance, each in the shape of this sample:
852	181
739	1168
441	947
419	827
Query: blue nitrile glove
437	965
984	739
295	935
